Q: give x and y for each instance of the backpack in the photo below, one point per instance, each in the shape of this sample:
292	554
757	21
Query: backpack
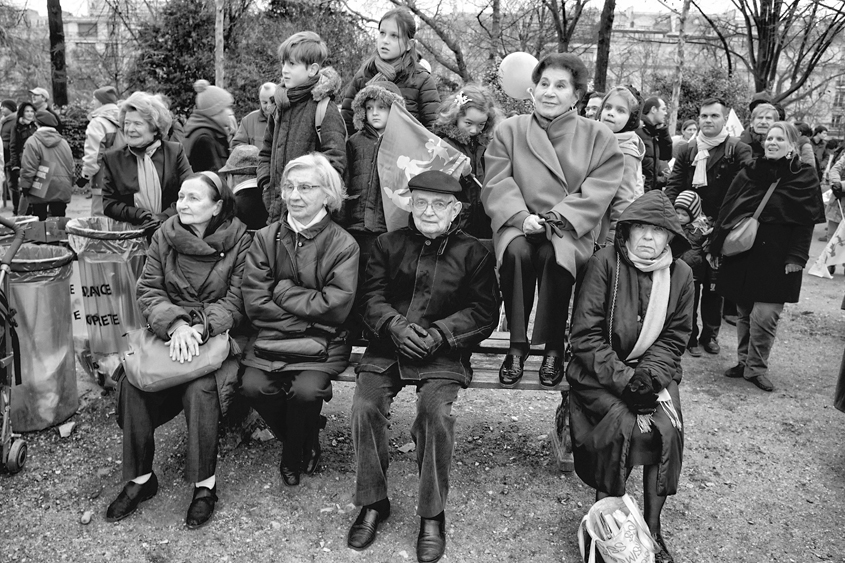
322	105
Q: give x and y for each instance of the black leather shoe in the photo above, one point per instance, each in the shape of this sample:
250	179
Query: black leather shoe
130	497
511	371
363	531
763	383
431	543
663	555
551	371
736	371
711	346
289	475
313	458
202	507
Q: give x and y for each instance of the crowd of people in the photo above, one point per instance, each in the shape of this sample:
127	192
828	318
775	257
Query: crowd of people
274	230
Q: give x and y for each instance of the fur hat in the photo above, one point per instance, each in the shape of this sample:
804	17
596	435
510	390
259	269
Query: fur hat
385	92
689	201
211	100
106	95
46	119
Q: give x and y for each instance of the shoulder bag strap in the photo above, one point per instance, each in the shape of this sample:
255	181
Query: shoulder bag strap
765	199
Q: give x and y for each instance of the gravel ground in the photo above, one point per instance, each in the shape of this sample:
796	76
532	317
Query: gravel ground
763	478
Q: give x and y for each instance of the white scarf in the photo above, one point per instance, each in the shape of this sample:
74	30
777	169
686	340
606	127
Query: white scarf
699	178
655	318
149	186
298	227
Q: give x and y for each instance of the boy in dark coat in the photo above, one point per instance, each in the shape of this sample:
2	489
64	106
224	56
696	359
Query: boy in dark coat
294	130
697	228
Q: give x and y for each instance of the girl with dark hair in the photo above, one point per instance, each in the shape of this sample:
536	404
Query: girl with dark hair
466	120
195	264
24	128
550	178
396	60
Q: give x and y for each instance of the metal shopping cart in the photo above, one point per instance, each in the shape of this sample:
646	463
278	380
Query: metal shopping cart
13	446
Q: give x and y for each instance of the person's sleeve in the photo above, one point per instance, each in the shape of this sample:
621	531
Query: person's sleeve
14	155
807	156
589	329
228	312
30	161
799	247
675	185
477	321
346	104
744	155
501	197
429	102
333	139
94	135
112	206
664	143
331	304
663	358
153	299
263	170
202	154
625	195
584	209
374	307
836	170
241	137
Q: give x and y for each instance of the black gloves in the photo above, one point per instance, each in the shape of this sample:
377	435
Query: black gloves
836	189
639	394
149	222
412	340
81	182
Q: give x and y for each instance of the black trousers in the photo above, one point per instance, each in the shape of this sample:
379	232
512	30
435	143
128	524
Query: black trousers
290	403
57	209
530	262
139	413
711	307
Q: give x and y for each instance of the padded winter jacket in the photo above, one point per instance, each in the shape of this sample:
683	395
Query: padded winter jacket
47	147
206	143
363	211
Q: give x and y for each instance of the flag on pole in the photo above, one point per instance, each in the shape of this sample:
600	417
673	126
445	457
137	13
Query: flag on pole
407	148
734	125
832	255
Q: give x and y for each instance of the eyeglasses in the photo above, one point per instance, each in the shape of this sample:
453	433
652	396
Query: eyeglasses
303	189
438	206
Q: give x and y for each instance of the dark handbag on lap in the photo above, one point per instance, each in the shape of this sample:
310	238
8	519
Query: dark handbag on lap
304	348
148	365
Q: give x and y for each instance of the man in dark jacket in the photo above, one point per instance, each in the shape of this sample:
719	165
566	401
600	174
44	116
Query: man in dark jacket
428	297
707	166
658	142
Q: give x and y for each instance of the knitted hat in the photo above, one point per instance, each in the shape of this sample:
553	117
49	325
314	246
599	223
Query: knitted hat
243	160
386	92
689	201
211	100
106	95
46	119
10	105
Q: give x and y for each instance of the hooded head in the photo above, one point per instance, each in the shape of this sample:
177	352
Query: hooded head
385	92
652	208
689	202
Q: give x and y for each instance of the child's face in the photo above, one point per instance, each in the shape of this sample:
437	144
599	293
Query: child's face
683	216
472	122
377	114
391	43
615	113
297	74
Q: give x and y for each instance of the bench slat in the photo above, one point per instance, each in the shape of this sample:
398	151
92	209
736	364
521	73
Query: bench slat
482	378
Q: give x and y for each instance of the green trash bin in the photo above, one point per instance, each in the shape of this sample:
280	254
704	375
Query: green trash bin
39	288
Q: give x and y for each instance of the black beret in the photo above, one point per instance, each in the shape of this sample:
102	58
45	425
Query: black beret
435	181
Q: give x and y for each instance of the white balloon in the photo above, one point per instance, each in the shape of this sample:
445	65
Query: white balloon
515	75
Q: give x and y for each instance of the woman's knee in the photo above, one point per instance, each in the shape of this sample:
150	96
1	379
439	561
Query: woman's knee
518	251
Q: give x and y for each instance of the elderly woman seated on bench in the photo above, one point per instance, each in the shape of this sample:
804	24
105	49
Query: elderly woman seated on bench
631	322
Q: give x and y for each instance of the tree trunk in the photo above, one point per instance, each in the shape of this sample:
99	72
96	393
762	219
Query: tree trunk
495	30
58	69
603	48
219	21
679	68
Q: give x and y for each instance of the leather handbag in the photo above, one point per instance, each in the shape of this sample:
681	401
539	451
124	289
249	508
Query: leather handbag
304	348
148	365
742	235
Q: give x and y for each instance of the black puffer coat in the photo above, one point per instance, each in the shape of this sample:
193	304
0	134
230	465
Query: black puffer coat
601	423
422	100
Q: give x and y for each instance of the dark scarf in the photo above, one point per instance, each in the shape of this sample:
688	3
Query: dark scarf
796	200
286	97
390	71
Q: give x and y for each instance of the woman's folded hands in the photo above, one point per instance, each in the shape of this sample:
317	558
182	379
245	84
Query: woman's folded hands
639	394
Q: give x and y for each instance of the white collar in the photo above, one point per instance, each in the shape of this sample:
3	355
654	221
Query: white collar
298	227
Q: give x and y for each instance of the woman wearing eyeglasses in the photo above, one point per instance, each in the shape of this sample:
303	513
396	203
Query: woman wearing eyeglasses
299	287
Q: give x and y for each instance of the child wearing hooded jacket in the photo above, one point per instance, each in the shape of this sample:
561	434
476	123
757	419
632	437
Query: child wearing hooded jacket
293	130
697	229
363	211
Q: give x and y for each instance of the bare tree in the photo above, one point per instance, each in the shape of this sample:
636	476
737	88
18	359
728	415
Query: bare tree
565	16
603	47
57	52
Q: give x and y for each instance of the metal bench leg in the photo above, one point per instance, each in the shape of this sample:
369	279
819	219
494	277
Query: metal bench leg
561	440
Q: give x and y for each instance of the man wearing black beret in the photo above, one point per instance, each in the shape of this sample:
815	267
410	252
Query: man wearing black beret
428	296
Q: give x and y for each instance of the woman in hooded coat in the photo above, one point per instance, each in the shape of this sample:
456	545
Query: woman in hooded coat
630	325
207	131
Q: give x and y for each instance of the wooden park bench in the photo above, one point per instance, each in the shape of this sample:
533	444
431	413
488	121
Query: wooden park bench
486	359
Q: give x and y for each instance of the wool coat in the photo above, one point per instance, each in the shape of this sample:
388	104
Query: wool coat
301	283
46	147
448	283
120	181
20	133
724	163
783	236
631	188
102	126
206	143
363	211
614	293
573	168
422	100
184	273
658	146
292	132
251	130
7	125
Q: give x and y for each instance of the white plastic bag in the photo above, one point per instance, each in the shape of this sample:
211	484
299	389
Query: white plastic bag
631	544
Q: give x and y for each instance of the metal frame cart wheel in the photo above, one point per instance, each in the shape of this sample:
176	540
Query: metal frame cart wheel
13	446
